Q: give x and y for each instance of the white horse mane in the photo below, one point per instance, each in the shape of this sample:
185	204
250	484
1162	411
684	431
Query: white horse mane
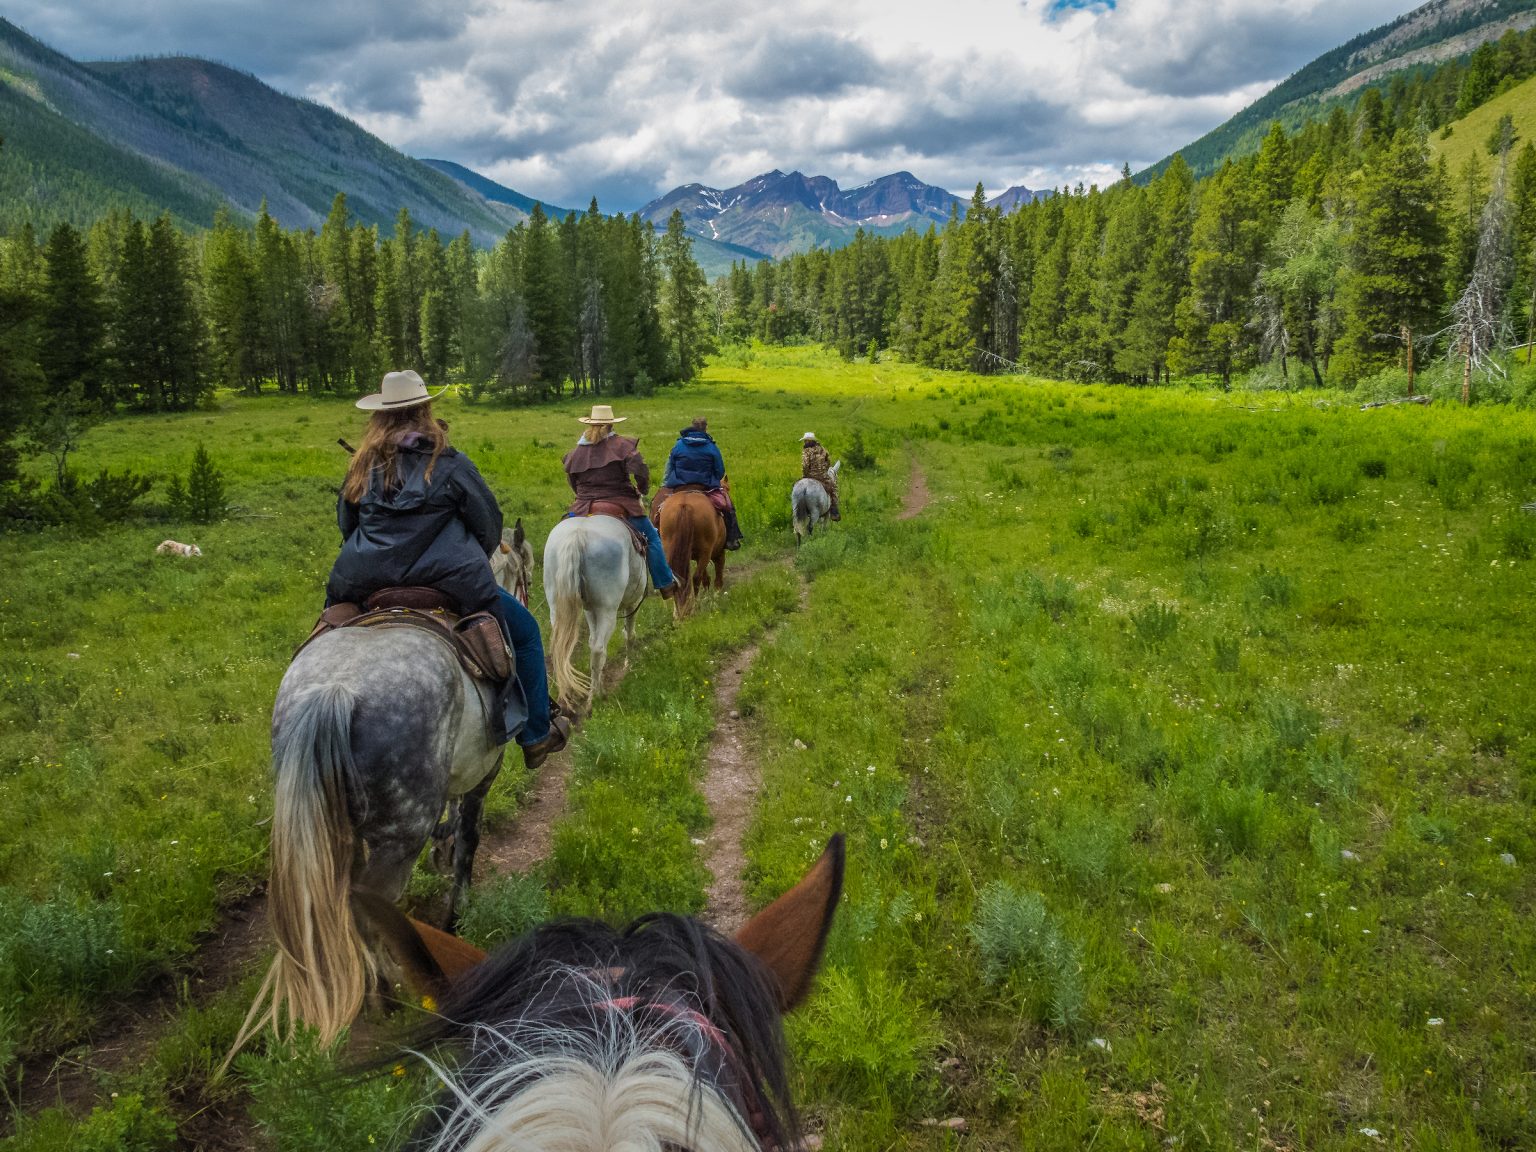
620	1086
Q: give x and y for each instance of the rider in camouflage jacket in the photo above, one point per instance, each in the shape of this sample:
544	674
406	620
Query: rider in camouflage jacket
816	465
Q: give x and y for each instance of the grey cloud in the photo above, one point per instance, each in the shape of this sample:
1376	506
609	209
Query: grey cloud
784	65
270	39
717	91
1191	51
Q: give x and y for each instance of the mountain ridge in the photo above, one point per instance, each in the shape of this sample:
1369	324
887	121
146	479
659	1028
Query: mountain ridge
777	212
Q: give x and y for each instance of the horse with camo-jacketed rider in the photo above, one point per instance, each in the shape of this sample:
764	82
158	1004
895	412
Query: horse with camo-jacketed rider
814	496
402	699
694	513
601	559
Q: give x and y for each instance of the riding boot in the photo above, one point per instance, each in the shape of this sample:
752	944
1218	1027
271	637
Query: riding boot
733	536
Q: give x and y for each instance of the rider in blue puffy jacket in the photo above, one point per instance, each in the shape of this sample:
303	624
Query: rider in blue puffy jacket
696	459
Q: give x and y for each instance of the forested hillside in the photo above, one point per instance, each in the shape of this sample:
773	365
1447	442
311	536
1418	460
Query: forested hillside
1322	256
1402	59
185	136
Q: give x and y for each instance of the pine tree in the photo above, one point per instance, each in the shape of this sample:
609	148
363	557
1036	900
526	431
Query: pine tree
1152	315
684	303
1396	261
233	307
73	322
205	500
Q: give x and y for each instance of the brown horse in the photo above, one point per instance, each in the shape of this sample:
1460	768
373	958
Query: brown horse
693	535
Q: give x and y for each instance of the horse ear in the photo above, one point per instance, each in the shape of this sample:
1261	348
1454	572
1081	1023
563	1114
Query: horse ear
790	934
517	533
432	959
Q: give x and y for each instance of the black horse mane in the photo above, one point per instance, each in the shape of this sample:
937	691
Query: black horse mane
659	964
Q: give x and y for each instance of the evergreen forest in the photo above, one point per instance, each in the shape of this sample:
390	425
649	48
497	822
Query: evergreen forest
1333	254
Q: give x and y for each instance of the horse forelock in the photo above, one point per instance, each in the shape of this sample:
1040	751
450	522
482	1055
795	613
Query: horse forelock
669	1030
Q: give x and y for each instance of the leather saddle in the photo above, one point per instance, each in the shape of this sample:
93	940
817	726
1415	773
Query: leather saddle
616	510
477	639
719	497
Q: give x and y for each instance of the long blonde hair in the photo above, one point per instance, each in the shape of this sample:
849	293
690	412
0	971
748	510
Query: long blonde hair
596	433
381	446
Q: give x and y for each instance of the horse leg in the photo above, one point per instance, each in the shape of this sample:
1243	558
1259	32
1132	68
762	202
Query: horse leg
443	838
386	874
600	625
467	842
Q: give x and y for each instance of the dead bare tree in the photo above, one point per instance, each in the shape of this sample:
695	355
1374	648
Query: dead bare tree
1479	323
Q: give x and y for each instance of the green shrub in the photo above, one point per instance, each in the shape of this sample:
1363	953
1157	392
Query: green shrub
305	1104
1270	588
1226	652
503	909
863	1031
1019	939
1155	623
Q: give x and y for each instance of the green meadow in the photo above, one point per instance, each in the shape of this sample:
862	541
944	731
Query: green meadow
1182	743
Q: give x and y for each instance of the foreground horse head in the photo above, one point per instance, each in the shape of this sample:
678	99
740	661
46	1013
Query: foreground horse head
693	534
373	731
809	504
662	1035
591	568
512	562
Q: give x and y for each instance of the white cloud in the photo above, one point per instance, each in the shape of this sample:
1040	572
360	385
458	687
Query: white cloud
628	98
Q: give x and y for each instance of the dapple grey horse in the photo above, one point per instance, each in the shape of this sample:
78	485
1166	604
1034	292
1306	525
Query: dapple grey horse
809	504
374	730
591	568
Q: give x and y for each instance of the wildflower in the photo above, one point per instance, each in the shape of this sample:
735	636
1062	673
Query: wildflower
1435	1021
399	1070
882	844
429	1003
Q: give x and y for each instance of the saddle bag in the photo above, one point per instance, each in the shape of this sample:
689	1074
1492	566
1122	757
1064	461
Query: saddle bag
481	636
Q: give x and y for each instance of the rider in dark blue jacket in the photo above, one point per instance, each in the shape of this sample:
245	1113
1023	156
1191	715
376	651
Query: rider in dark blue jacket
696	459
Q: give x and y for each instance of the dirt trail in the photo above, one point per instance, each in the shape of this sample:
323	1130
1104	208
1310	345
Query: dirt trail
730	787
917	495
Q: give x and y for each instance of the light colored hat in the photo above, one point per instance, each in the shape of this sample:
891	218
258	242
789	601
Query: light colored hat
602	414
809	436
399	390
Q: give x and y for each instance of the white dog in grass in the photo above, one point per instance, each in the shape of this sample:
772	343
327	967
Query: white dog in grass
174	548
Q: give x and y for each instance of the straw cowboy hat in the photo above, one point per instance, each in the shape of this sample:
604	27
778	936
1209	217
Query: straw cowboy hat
602	414
399	390
809	436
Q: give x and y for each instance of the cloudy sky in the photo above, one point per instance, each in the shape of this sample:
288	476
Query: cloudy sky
625	99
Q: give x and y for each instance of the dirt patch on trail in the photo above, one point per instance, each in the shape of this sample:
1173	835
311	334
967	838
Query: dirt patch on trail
527	840
917	496
730	788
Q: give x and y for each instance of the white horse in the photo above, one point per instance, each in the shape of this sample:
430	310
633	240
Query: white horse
512	563
809	504
590	566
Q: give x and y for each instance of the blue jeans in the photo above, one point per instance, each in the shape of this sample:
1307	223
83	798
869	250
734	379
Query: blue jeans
655	558
528	655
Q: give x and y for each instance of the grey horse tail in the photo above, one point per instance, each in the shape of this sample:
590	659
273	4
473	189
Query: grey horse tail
800	506
322	967
563	585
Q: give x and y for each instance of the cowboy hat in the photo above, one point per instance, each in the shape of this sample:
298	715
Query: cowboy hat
602	414
399	390
809	436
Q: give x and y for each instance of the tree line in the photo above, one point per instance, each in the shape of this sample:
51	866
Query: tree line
1326	254
134	314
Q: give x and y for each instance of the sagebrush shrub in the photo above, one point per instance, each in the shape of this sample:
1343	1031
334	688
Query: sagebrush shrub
1017	937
